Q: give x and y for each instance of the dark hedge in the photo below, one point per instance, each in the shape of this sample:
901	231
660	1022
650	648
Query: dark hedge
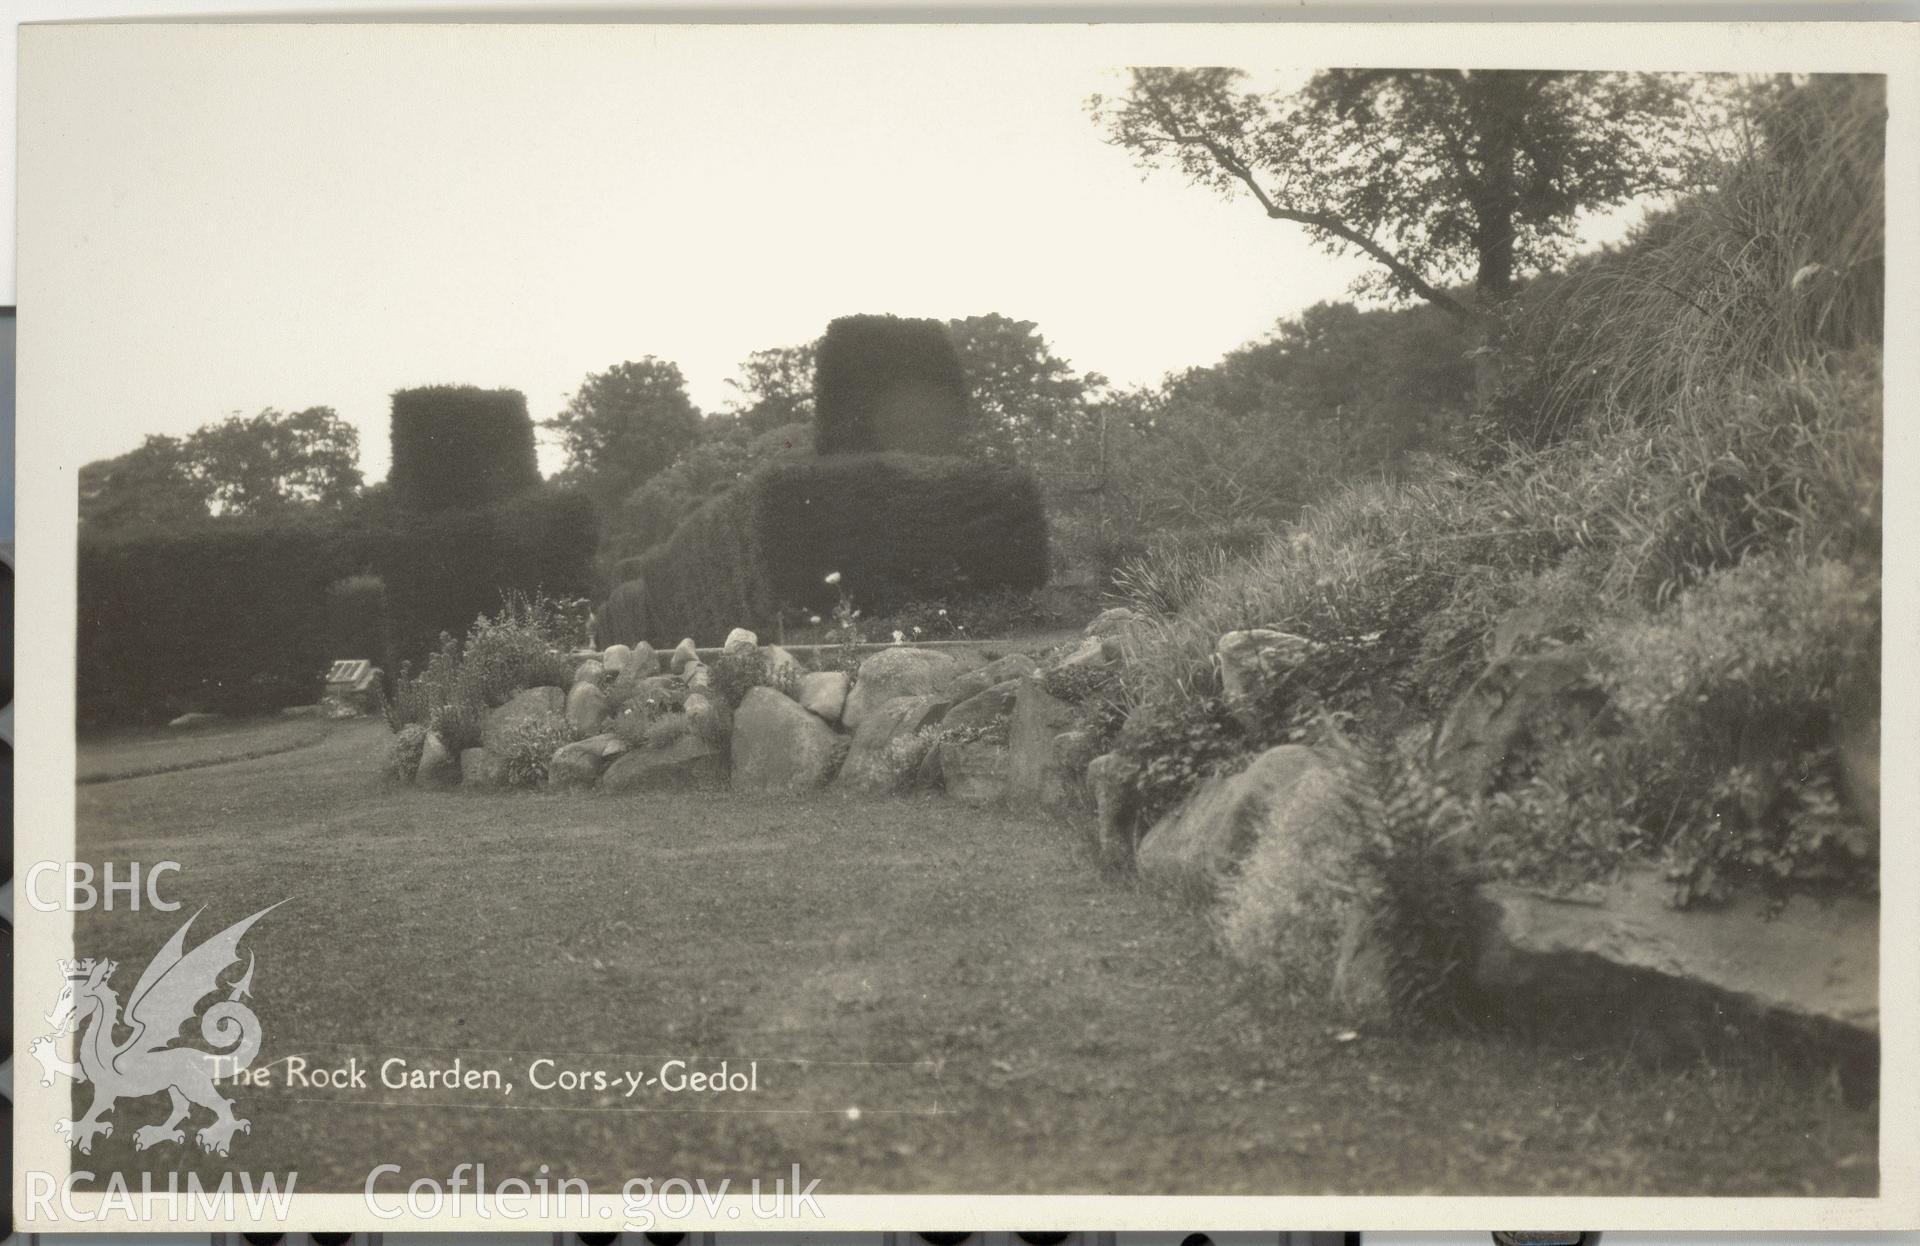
459	447
887	383
622	618
446	569
237	616
357	619
896	527
707	578
228	616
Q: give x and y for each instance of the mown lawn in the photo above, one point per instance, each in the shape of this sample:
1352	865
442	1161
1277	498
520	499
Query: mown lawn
940	1001
129	754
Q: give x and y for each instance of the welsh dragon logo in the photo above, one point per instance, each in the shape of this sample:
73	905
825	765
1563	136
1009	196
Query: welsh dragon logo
146	1062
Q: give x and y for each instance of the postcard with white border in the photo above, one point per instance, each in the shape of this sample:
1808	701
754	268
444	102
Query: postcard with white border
1074	628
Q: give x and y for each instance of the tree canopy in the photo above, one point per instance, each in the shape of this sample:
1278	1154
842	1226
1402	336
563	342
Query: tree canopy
152	485
242	465
1024	396
776	388
1438	176
255	464
624	425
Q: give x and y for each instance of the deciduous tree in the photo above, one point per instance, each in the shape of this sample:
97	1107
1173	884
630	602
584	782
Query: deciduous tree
1437	175
624	425
242	465
152	485
255	464
1025	398
776	388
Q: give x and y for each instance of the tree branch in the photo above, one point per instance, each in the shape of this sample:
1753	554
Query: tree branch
1275	210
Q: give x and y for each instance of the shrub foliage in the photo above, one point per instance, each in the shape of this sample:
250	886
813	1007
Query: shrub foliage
522	646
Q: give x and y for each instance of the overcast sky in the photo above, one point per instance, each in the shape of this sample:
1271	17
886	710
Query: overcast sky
275	226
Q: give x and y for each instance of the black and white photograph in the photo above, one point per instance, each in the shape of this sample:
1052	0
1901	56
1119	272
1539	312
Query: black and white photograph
663	625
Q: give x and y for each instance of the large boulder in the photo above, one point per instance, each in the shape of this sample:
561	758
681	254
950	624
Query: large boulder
1114	622
708	718
587	708
1816	962
1362	990
1073	752
971	772
1092	653
983	709
893	673
1106	779
825	693
481	769
689	762
439	765
1209	837
1276	849
869	765
1000	670
684	654
616	657
1515	702
1039	774
777	746
590	671
581	763
740	640
528	703
1253	661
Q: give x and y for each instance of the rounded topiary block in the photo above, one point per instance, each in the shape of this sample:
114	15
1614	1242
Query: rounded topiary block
459	447
886	383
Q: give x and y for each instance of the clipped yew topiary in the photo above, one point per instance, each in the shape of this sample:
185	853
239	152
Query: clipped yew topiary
459	447
895	526
443	570
887	383
708	577
899	527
